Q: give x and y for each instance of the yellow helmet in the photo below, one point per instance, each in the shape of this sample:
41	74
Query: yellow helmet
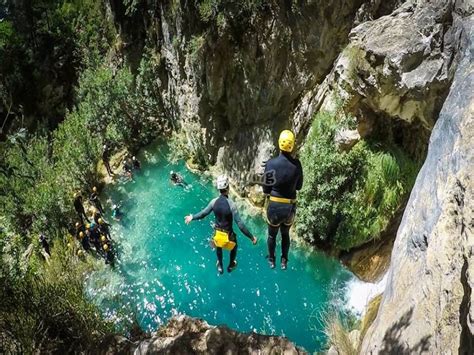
286	142
103	238
94	189
77	224
81	235
80	253
100	220
106	247
88	226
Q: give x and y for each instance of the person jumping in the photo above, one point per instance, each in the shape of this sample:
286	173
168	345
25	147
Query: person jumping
286	178
225	213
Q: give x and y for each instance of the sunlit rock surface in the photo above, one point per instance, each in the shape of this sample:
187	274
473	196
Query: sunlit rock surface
186	335
427	306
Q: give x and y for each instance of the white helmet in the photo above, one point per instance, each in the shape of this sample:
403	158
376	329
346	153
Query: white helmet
222	182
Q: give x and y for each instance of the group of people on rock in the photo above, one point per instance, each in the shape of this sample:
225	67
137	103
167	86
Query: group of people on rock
283	177
94	231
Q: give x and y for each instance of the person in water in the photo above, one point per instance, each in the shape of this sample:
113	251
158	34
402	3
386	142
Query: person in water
116	213
79	207
225	213
106	159
136	163
94	199
284	176
177	179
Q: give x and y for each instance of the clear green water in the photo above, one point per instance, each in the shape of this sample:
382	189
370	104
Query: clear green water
165	267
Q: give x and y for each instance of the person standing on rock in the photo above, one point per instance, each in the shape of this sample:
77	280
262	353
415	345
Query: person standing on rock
79	207
106	159
94	199
283	177
226	213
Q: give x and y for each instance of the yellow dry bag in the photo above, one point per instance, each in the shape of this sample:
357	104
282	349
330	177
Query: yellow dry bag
221	240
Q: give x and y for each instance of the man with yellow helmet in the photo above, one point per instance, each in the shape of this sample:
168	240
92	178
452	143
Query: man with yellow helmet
286	178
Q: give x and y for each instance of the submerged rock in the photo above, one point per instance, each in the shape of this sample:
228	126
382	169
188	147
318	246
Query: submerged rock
186	335
427	306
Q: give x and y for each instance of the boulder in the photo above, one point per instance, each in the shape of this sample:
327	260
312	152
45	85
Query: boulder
345	139
186	335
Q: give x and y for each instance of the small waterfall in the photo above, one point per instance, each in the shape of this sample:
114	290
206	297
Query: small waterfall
359	294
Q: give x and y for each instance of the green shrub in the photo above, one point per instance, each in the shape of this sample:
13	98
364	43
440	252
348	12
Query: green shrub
349	198
44	308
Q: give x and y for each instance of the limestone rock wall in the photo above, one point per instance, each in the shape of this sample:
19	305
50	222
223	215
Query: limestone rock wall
427	306
394	74
233	82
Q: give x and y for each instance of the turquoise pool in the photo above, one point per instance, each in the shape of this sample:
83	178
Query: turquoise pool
164	267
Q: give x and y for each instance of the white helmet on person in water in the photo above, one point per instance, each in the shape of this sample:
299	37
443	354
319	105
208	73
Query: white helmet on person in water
222	182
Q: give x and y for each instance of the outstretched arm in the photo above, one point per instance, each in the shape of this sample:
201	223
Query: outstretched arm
201	214
240	223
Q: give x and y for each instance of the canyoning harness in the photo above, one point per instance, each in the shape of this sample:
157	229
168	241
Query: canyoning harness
223	239
291	203
282	200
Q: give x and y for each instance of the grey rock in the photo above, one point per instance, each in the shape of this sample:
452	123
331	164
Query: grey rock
397	70
186	335
345	139
427	306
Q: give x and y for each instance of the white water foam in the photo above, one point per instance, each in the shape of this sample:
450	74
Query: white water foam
359	294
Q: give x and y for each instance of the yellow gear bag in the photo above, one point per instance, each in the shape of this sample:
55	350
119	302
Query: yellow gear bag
221	240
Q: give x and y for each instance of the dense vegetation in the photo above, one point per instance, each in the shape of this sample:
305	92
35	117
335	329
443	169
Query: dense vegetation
52	149
43	306
349	198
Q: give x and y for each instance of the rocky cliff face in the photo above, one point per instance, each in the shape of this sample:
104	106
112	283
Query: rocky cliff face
394	74
427	306
185	335
232	76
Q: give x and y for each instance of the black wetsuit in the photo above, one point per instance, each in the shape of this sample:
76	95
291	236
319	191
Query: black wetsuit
136	164
94	238
104	229
226	213
80	209
177	180
286	177
94	199
106	160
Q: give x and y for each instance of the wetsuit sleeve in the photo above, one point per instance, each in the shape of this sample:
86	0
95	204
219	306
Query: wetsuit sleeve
238	220
266	188
299	184
204	212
